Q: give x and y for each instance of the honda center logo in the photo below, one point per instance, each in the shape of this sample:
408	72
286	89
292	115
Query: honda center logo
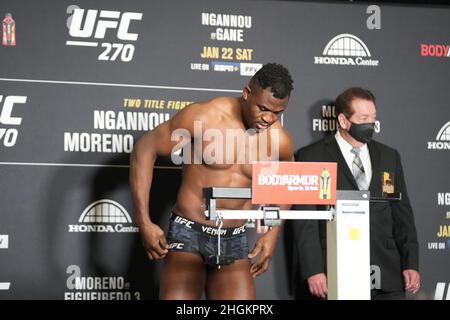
348	50
104	216
442	139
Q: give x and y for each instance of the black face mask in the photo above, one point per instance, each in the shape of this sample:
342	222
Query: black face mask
363	132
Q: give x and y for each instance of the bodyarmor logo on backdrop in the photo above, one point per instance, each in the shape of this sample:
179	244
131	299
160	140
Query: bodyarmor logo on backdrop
97	288
439	294
435	50
8	122
442	141
86	27
347	50
327	121
104	216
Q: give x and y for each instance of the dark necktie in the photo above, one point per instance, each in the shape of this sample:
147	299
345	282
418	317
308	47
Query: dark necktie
358	171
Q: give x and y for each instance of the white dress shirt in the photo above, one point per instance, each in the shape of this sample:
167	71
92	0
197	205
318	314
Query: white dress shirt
346	149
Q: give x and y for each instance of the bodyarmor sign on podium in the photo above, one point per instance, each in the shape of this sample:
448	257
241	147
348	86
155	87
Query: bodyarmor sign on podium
309	183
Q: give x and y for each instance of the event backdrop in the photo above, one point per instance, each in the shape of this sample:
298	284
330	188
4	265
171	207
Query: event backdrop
81	81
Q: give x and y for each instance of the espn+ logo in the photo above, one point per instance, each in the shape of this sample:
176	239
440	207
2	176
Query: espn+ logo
88	26
8	122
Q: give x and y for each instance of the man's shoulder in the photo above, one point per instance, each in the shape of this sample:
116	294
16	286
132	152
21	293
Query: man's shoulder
383	148
314	148
207	110
223	103
316	145
218	106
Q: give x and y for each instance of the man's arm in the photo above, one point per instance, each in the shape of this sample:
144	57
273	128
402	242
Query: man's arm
404	231
266	244
308	247
155	143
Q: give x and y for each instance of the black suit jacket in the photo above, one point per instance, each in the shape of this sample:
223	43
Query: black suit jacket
393	237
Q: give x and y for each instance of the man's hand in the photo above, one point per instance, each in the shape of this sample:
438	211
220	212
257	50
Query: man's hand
318	285
412	280
265	246
154	241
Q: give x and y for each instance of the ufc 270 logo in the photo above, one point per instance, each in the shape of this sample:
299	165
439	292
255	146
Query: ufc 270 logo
9	134
89	26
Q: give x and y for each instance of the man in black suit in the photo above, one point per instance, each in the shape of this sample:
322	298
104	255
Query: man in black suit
361	164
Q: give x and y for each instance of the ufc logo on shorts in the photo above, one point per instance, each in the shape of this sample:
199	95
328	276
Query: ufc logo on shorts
176	245
8	136
441	287
181	220
239	230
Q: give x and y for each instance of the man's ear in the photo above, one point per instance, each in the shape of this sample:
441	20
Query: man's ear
246	93
343	121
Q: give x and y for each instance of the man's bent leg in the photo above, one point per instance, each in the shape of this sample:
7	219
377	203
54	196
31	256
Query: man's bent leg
231	282
183	277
